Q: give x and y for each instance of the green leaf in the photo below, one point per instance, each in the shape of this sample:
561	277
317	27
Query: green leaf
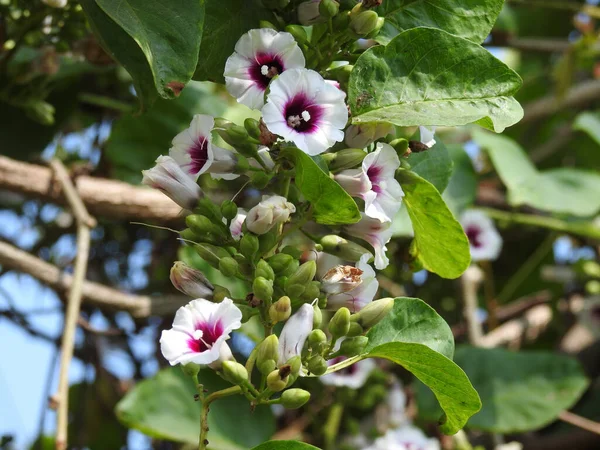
426	76
331	204
589	123
565	190
284	445
168	34
414	336
434	165
462	188
470	19
413	320
123	49
520	391
226	21
440	243
163	407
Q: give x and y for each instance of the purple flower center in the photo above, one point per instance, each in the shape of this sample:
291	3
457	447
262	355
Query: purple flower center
210	333
373	173
267	66
348	371
198	154
302	114
474	235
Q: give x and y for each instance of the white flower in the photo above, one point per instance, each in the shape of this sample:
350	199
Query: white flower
376	233
269	212
407	437
340	279
375	183
353	376
359	136
190	281
484	240
360	296
303	108
235	227
199	332
196	154
294	333
170	179
427	136
259	56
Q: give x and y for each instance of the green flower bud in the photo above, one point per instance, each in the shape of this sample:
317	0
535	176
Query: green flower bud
312	290
267	24
267	366
247	149
263	289
252	127
305	273
400	145
295	364
339	325
378	26
373	313
317	341
268	349
341	21
280	282
229	266
364	23
328	8
220	293
298	32
229	209
41	111
279	262
293	251
353	346
208	209
189	235
211	253
191	369
201	224
234	372
347	158
263	269
317	365
294	398
291	268
347	250
355	329
249	245
294	290
317	316
260	179
233	134
275	382
280	310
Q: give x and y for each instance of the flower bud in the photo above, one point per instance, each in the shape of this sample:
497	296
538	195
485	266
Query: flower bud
312	291
200	224
280	310
341	21
267	24
233	134
347	250
263	289
305	273
294	398
280	282
378	26
328	8
229	210
400	145
339	325
279	262
364	23
317	341
295	291
341	279
234	372
189	235
298	32
252	127
211	253
268	350
355	329
269	212
229	266
353	346
317	365
294	333
169	178
275	382
292	250
308	12
190	281
249	246
373	313
295	364
208	209
263	269
317	316
347	158
190	369
220	294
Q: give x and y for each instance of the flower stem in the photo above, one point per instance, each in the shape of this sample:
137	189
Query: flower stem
206	401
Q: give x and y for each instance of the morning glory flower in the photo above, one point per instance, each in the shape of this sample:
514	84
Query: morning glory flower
295	332
190	281
169	178
375	183
484	240
364	292
259	56
196	154
303	108
376	233
199	332
235	227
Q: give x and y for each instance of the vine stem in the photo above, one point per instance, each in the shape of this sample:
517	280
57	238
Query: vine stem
206	401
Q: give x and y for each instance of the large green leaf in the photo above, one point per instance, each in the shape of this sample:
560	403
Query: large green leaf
590	123
226	21
123	49
470	19
163	407
435	165
440	243
462	187
520	391
564	190
414	336
285	445
168	33
426	76
331	204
